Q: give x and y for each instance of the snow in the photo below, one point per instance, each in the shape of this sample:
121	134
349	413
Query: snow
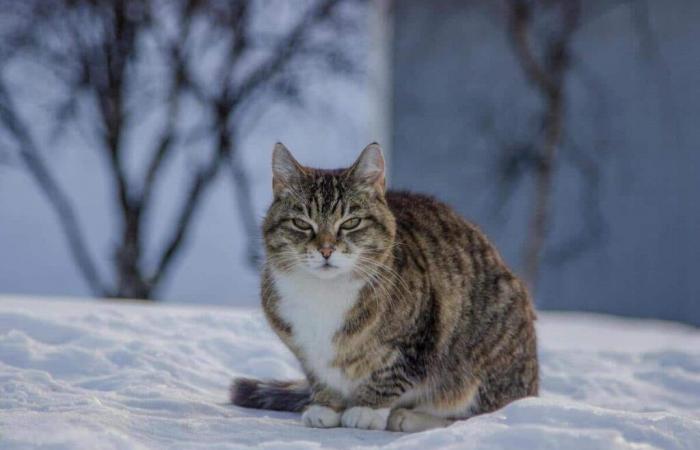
87	375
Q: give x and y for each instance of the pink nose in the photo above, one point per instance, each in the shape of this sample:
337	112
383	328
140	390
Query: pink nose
326	251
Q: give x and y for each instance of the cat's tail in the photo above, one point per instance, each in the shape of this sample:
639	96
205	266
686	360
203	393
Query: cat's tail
271	394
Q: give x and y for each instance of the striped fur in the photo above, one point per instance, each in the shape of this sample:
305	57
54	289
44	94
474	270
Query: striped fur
440	328
271	394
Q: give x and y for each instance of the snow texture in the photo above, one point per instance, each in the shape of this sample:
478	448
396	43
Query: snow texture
93	375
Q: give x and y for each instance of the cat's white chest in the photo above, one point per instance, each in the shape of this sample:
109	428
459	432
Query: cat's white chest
315	308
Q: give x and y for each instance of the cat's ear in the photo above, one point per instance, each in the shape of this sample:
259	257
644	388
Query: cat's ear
368	170
285	169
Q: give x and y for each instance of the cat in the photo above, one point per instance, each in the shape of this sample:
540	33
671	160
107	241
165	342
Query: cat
401	313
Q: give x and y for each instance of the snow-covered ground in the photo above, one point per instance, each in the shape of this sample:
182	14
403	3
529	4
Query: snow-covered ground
90	375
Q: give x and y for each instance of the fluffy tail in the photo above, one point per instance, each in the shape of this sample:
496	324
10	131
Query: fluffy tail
271	394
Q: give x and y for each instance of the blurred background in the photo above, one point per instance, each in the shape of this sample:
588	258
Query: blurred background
135	137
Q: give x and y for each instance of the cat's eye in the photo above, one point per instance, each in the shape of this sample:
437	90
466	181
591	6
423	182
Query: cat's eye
301	224
350	224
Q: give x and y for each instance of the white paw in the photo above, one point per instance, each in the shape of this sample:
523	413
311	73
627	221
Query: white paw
402	420
318	416
411	422
365	418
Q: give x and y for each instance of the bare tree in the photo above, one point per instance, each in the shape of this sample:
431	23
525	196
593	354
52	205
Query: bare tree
545	65
214	55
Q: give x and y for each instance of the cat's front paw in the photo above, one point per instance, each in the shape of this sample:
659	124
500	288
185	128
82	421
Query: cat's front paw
407	421
411	421
365	418
317	416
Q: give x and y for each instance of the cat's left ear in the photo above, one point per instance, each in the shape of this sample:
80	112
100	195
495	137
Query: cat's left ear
286	171
368	170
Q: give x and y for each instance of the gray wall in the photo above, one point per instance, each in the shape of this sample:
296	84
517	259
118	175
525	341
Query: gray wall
632	123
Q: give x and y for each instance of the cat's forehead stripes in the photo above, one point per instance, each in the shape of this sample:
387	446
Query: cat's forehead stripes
326	194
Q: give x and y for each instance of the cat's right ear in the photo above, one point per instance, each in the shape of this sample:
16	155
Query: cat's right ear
285	170
368	170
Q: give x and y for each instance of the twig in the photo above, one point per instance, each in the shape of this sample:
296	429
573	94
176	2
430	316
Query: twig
548	77
53	192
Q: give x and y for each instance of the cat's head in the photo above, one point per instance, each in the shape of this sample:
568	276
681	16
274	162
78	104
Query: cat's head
328	222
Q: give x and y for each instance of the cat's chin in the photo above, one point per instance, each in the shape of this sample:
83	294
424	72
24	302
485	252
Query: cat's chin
327	273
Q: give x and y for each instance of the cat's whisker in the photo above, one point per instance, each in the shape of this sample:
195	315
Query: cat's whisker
387	269
378	281
390	279
284	260
371	281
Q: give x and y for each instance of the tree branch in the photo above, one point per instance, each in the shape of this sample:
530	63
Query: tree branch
224	105
199	184
520	16
178	82
100	44
53	192
241	190
548	77
284	51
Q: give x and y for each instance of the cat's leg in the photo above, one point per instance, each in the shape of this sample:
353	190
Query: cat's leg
325	409
411	421
442	411
319	416
365	417
373	400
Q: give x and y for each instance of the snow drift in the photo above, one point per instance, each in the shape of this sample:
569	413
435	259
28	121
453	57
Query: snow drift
87	375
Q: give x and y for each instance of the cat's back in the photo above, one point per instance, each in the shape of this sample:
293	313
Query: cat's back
432	224
421	211
457	275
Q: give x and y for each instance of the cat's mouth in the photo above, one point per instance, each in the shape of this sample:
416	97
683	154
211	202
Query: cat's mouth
327	270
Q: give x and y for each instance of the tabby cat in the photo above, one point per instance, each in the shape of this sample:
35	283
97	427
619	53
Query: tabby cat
402	314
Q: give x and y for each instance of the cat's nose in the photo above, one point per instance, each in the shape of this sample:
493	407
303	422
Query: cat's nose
326	251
